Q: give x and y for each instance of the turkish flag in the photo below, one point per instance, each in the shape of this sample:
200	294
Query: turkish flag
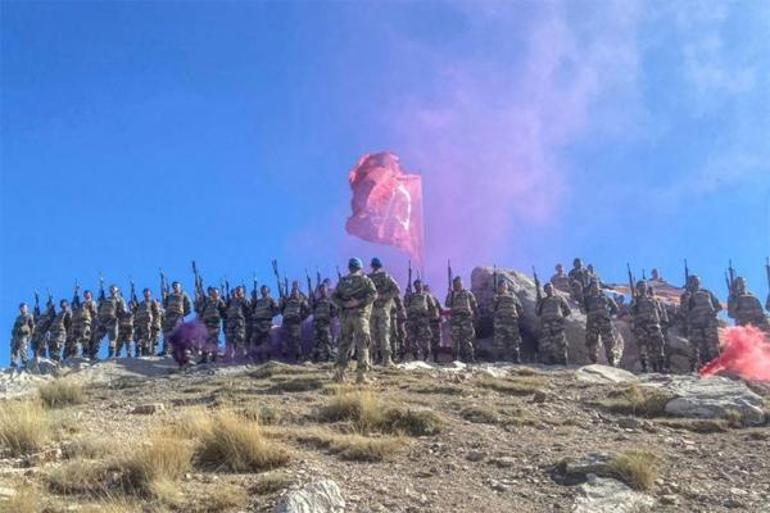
387	204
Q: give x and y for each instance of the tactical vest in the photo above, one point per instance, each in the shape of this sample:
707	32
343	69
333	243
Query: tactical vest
58	326
81	316
322	310
264	309
145	312
418	305
235	310
461	303
292	310
701	307
646	310
505	306
211	314
384	285
747	308
175	305
21	326
108	308
597	305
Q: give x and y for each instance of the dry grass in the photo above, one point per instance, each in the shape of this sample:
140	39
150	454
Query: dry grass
411	422
26	500
272	482
353	447
61	392
297	384
518	386
638	469
24	426
191	424
704	426
154	468
118	505
436	389
364	409
635	400
237	444
480	414
88	447
79	477
221	498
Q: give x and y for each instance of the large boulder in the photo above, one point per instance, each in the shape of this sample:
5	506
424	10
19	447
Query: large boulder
317	497
604	374
604	495
716	397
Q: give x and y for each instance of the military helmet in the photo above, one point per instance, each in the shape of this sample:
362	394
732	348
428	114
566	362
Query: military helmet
22	304
457	279
376	263
355	264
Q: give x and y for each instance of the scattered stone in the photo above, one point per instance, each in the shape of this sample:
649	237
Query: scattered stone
574	471
539	397
475	456
41	458
416	365
602	495
603	374
503	462
630	423
669	500
714	398
318	497
148	409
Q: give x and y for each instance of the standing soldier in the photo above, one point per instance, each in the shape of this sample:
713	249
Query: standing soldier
89	304
40	333
387	290
420	310
263	311
354	296
701	311
146	318
647	313
398	332
126	329
84	314
463	310
59	330
507	310
176	306
323	313
211	310
236	318
745	308
23	327
599	311
435	324
560	280
109	310
294	309
552	310
578	280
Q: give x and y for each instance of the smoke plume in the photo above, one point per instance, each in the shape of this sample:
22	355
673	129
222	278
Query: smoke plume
745	352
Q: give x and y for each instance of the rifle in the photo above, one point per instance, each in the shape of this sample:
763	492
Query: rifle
644	275
449	274
767	270
198	281
539	294
254	295
134	299
409	277
49	303
75	296
728	284
731	270
339	274
101	286
37	304
317	279
163	285
286	285
494	279
686	274
310	292
632	285
227	290
281	292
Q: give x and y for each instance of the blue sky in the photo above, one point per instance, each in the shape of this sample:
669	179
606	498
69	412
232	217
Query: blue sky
142	135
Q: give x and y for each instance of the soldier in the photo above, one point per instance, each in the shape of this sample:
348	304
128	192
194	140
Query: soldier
701	309
624	313
126	330
387	290
294	309
745	308
89	304
552	310
420	310
398	334
146	318
210	311
507	309
579	280
599	311
176	306
39	339
236	318
109	309
84	314
324	311
435	324
354	296
263	311
23	327
463	310
59	330
560	280
647	315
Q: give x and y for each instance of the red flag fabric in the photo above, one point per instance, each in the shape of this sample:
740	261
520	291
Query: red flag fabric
387	204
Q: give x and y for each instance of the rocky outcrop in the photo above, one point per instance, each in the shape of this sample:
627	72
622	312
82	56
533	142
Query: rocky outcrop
604	374
603	495
316	497
718	397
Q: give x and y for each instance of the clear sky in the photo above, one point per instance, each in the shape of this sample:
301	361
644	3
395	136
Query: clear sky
139	135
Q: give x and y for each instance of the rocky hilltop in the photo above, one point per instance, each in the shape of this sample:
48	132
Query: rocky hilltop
141	435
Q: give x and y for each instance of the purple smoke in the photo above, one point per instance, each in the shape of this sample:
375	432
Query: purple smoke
187	339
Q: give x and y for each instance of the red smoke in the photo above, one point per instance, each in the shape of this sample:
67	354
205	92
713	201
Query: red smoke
745	352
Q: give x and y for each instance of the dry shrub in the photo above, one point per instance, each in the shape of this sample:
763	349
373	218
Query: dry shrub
25	500
635	400
363	409
480	414
272	482
437	389
638	469
237	444
518	386
411	422
88	447
152	471
117	505
353	447
193	423
704	426
221	498
298	384
61	392
24	426
79	477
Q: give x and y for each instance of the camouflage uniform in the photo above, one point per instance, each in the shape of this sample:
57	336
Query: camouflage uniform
647	313
745	308
109	309
398	328
553	343
420	310
125	331
435	327
23	328
236	318
210	312
561	282
354	321
294	310
146	320
84	314
507	309
40	333
463	308
599	310
57	333
175	307
387	290
324	311
579	280
262	313
701	310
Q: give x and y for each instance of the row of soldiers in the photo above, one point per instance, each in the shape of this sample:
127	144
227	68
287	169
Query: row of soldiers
395	327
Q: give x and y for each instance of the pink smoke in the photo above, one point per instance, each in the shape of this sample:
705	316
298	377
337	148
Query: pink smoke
745	352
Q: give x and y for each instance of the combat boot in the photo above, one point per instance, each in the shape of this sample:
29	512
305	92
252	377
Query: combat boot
388	362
